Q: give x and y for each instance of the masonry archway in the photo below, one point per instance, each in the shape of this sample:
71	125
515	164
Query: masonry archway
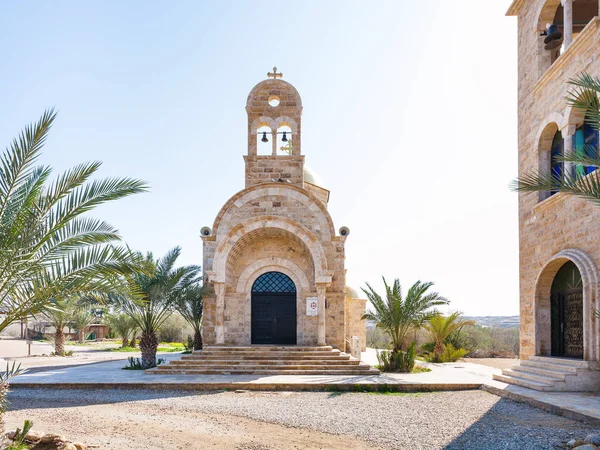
273	316
547	303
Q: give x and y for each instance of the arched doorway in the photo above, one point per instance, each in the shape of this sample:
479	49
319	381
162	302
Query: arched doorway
566	312
273	313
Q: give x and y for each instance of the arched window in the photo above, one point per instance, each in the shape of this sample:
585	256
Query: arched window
556	167
585	142
273	282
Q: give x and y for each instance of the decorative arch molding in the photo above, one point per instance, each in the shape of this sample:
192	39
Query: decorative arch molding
590	278
286	120
240	230
262	266
554	118
308	199
264	121
546	13
275	83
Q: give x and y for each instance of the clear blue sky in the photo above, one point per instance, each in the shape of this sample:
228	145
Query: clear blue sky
409	117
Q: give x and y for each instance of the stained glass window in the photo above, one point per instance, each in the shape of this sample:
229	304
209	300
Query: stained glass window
273	282
557	150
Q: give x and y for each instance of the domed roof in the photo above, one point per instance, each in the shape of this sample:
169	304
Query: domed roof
351	293
310	176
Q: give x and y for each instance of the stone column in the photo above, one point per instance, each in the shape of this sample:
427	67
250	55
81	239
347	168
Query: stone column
274	139
321	313
568	132
568	22
220	312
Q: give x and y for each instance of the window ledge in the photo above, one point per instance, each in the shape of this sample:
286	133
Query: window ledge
549	202
567	57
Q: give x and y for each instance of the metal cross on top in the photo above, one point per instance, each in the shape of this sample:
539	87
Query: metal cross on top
274	74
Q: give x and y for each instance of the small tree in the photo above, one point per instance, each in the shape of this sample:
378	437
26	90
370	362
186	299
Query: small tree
190	306
83	317
123	325
397	314
155	292
61	316
440	328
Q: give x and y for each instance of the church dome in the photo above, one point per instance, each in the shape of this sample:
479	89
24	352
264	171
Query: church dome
312	177
351	293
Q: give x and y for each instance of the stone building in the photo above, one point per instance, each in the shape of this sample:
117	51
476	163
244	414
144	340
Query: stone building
273	257
558	234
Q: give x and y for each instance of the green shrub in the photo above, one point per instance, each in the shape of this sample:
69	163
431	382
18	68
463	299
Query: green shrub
398	361
136	364
450	354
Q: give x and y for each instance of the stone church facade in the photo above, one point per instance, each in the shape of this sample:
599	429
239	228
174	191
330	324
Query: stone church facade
272	257
558	234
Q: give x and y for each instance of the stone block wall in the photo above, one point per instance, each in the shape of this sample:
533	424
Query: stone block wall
266	168
558	222
355	308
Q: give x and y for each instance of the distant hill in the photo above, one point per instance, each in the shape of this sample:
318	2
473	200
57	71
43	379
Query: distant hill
484	321
495	321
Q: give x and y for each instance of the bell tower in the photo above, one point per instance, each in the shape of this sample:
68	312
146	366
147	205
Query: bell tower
274	111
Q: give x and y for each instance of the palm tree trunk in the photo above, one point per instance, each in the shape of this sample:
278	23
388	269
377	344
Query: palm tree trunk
438	350
125	341
148	346
132	343
81	335
59	342
197	340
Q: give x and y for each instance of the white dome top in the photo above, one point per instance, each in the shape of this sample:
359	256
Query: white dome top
310	176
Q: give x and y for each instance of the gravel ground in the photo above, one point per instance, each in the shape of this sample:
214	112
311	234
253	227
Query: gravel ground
272	420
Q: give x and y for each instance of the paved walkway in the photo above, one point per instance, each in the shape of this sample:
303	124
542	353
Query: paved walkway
450	376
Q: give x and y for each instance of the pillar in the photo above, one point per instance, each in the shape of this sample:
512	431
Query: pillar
220	312
321	313
568	133
568	22
274	141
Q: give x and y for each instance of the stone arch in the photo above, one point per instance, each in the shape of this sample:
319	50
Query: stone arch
544	140
262	266
238	232
263	121
254	271
546	13
301	195
543	286
287	93
286	120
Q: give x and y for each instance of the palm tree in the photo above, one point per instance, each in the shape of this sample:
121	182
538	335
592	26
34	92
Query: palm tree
440	328
190	307
123	325
397	314
60	316
583	97
161	287
82	319
47	250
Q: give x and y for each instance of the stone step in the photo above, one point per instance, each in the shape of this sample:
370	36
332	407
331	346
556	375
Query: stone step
212	357
222	362
173	371
547	366
523	382
268	348
569	362
515	372
268	355
253	367
554	374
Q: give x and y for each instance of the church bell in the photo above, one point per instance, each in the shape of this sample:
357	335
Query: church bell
264	138
284	138
554	38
